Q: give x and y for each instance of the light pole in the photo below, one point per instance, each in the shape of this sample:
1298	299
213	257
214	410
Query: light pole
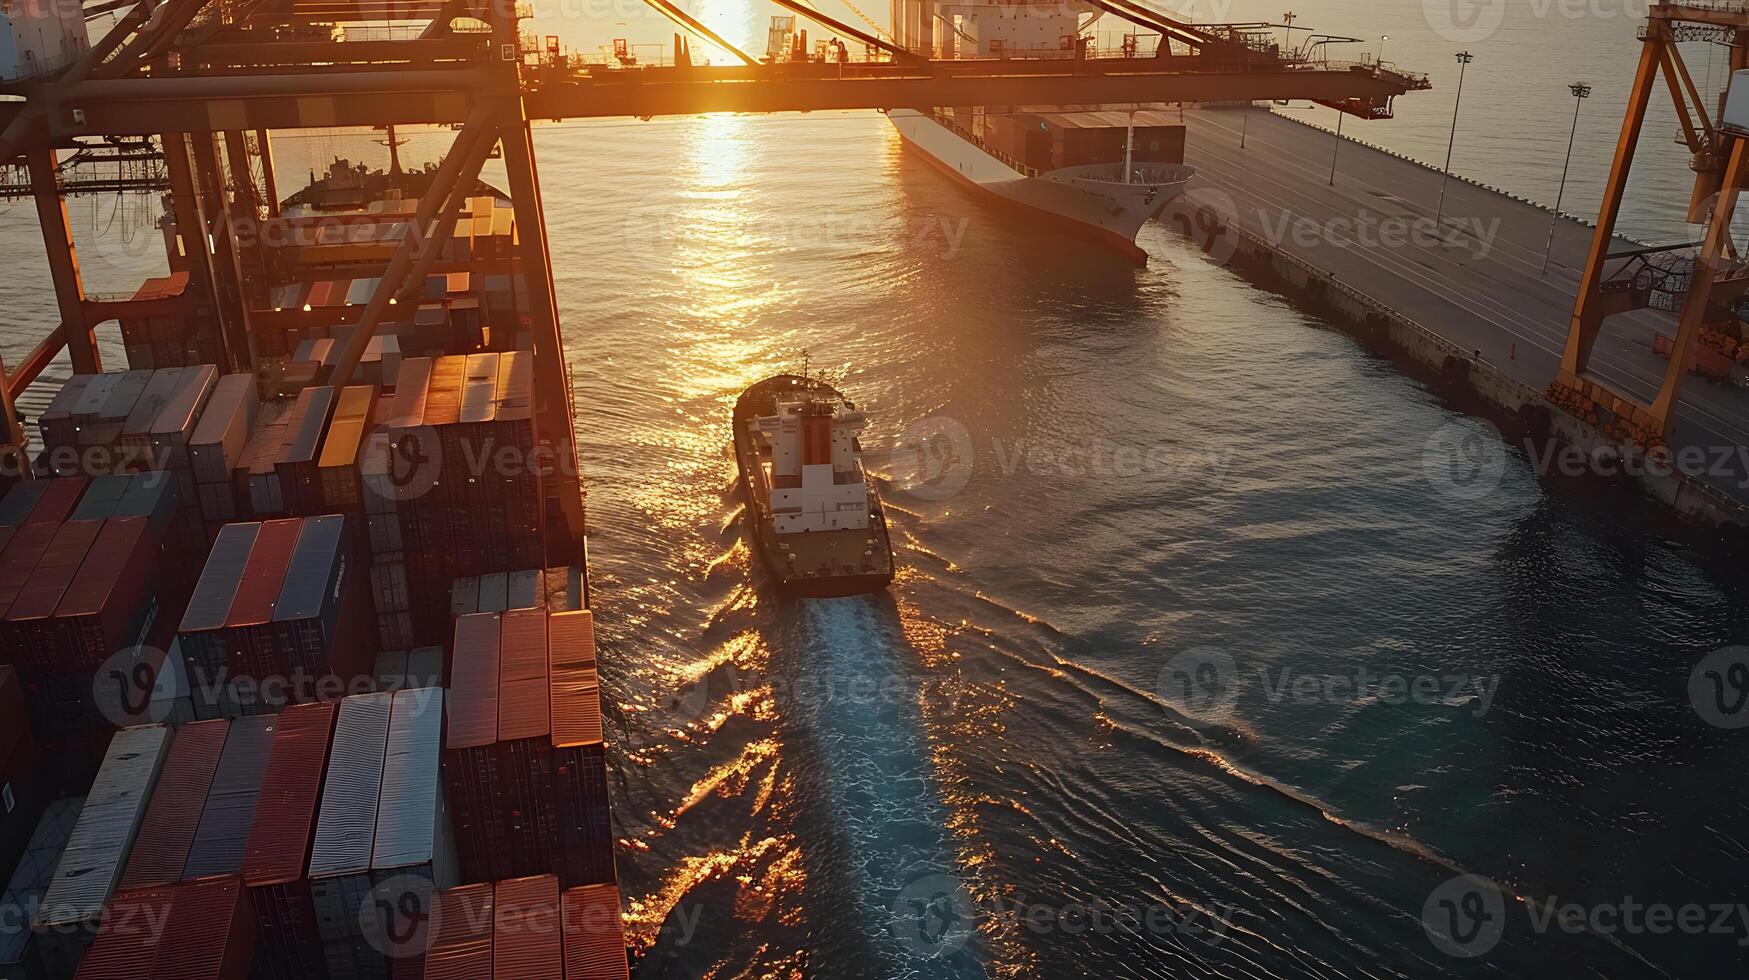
1382	39
1464	58
1289	19
1338	150
1581	92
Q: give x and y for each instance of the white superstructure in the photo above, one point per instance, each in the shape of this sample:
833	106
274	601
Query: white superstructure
40	36
816	477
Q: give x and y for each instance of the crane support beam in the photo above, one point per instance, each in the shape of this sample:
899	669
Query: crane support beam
51	210
1587	311
35	362
459	166
269	183
841	27
146	106
461	48
13	463
226	265
1715	256
1142	16
698	28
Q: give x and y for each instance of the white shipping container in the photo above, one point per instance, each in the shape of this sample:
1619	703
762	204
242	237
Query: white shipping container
217	441
340	858
412	834
99	846
1736	114
494	592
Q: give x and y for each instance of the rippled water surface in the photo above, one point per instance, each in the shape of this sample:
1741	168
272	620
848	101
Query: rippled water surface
1167	545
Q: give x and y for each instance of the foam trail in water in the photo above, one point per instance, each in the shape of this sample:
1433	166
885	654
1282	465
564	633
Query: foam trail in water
860	704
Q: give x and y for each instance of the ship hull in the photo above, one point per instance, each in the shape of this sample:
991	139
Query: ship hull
1090	201
803	578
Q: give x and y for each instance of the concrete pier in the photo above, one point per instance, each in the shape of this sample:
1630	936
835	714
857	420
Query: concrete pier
1466	295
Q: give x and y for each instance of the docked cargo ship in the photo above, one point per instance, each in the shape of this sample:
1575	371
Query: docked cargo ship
1100	171
815	518
303	617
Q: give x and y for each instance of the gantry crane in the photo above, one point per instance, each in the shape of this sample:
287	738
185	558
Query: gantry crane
1613	282
200	74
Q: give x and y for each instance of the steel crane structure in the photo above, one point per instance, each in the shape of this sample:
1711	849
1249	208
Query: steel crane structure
1613	282
198	75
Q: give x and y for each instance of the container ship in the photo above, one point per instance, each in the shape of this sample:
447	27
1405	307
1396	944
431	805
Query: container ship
1083	170
1097	171
283	667
815	519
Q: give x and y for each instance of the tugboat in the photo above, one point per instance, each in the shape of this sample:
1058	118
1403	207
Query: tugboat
815	517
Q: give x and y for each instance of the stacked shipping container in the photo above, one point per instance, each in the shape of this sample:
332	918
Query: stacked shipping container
124	422
21	782
167	830
524	762
216	446
557	589
275	618
229	812
525	929
458	477
97	851
198	930
80	596
382	822
29	882
289	946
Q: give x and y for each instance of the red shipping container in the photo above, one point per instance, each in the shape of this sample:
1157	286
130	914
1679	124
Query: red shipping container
21	770
58	500
513	416
585	835
29	625
167	830
279	843
469	748
18	755
126	953
209	934
594	934
18	563
576	690
101	612
253	651
527	930
459	945
525	757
